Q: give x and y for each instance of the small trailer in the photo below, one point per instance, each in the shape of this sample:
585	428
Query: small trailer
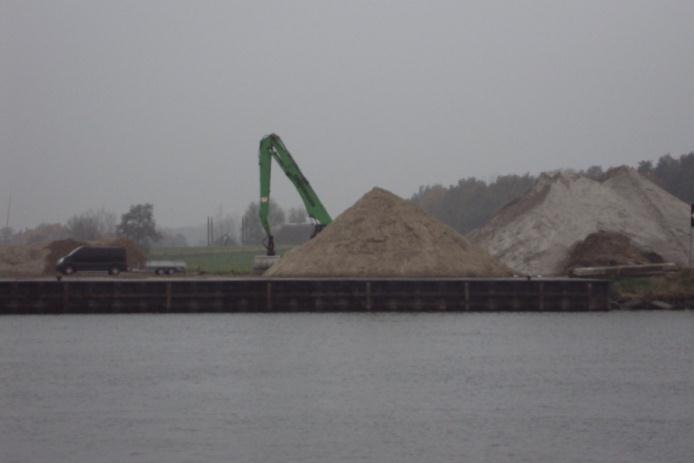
165	267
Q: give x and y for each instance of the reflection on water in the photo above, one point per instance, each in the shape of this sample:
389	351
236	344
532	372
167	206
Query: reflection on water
605	387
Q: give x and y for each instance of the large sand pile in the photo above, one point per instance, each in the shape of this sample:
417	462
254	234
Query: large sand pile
536	233
382	235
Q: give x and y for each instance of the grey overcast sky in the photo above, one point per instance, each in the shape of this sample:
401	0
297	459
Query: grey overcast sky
111	103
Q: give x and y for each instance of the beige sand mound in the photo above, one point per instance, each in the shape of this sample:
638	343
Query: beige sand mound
536	233
383	235
16	261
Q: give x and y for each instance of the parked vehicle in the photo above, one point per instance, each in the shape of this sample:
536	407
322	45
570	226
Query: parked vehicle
92	258
165	267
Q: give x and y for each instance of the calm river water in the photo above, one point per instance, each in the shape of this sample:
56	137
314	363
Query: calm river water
609	387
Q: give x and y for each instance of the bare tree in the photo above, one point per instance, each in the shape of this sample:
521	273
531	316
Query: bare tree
92	225
83	227
225	230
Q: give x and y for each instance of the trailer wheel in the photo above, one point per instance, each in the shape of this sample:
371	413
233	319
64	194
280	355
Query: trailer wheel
171	271
114	271
159	271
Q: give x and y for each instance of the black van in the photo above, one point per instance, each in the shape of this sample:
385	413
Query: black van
89	258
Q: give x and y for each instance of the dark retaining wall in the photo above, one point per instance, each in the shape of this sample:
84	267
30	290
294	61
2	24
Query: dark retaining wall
304	295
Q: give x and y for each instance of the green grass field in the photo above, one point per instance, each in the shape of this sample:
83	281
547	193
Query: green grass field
215	259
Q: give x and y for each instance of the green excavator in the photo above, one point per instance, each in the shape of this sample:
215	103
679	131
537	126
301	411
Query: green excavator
271	147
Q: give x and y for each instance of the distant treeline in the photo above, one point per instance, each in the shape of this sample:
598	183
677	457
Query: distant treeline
472	202
675	175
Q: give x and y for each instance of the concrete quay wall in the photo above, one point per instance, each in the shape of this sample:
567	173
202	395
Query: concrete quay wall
190	295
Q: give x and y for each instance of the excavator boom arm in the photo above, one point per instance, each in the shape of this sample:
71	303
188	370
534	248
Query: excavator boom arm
271	147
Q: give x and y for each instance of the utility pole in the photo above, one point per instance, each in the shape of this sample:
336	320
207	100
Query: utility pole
210	231
691	234
9	209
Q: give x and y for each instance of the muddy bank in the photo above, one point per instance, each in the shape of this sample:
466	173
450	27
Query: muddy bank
664	292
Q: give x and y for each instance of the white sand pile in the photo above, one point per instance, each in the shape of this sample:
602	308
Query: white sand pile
383	235
534	234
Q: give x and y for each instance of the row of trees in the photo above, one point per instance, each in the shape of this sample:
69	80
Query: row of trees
137	225
464	206
472	202
675	175
225	230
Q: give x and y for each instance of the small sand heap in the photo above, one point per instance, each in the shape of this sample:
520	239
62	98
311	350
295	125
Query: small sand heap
605	248
22	261
382	235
